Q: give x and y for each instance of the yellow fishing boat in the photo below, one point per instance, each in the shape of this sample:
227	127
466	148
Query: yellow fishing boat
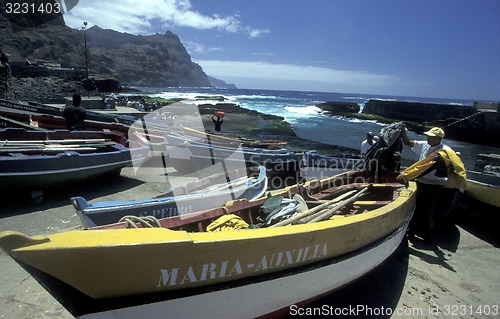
244	260
484	187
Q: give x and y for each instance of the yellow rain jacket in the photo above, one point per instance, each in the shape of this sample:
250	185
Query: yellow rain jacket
454	165
227	223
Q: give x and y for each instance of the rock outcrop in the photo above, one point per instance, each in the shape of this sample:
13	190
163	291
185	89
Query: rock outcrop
334	107
155	60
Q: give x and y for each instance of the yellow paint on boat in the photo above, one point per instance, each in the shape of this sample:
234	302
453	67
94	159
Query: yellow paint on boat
120	262
482	192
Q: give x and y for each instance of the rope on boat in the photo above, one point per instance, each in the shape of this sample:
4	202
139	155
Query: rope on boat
145	221
462	119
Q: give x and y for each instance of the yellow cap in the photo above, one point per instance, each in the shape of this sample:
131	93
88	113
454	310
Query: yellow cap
435	131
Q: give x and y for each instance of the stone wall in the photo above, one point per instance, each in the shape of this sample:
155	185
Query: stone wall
460	122
417	112
21	70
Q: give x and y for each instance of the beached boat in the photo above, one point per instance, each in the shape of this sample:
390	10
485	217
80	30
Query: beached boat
53	122
202	194
318	166
155	132
38	159
230	140
484	187
188	269
38	109
186	155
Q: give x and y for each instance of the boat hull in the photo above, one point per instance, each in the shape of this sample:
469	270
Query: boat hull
484	193
483	187
267	294
139	266
39	168
98	214
207	258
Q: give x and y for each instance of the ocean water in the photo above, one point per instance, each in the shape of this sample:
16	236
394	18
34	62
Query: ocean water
298	108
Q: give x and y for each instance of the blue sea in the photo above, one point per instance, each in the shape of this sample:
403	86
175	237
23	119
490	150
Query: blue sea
298	108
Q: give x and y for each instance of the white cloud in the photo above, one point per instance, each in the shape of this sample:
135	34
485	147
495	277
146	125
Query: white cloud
143	17
255	33
196	47
286	76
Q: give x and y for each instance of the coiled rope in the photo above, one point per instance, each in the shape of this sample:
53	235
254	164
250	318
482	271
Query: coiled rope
145	221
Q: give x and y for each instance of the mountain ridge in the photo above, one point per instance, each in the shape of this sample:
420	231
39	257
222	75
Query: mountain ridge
135	60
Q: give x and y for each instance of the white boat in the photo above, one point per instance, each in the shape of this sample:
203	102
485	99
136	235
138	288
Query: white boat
206	193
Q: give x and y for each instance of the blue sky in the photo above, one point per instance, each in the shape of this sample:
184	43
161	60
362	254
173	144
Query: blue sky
424	48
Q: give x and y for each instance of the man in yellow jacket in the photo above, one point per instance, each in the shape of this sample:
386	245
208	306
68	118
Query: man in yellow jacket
438	167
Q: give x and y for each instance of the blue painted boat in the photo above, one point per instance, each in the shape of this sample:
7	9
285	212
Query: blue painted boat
195	196
35	160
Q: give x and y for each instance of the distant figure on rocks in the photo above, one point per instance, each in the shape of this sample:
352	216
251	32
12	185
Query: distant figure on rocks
75	114
218	123
368	143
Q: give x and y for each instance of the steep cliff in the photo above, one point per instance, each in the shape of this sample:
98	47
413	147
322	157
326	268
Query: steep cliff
155	60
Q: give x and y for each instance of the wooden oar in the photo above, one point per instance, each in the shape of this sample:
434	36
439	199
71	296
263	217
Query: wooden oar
69	141
331	211
47	150
314	209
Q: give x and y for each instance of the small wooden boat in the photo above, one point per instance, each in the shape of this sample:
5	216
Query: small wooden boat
202	194
238	269
484	187
52	122
229	140
186	154
319	166
39	109
38	159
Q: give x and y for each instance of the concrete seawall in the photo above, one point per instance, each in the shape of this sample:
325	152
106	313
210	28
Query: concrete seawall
479	124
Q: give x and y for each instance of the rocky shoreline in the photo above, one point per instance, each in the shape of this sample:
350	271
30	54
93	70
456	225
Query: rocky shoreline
477	124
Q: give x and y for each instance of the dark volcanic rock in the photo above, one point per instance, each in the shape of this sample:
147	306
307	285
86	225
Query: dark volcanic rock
339	107
46	89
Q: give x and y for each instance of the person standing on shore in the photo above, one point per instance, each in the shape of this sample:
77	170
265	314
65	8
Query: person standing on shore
218	123
429	184
368	143
75	114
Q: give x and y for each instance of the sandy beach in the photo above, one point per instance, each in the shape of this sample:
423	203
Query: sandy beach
455	276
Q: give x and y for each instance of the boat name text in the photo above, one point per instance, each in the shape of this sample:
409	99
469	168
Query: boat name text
229	268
